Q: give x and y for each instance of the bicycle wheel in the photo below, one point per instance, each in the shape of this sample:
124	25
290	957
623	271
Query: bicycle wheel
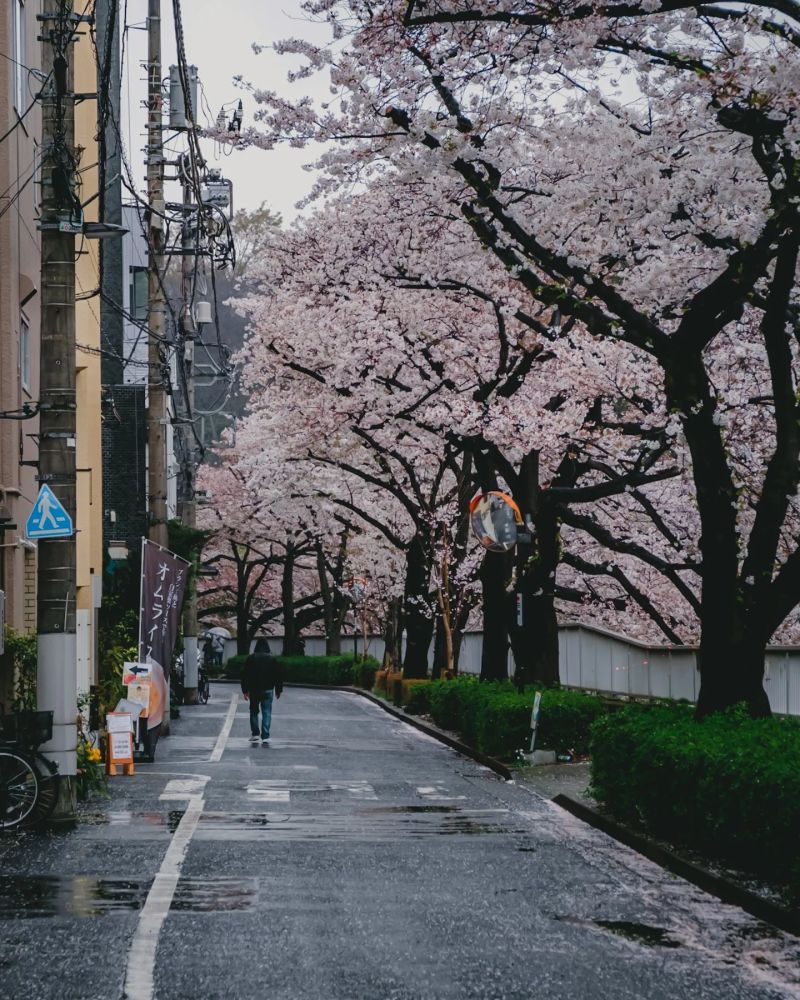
19	788
47	774
202	694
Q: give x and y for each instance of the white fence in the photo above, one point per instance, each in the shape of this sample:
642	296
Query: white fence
596	660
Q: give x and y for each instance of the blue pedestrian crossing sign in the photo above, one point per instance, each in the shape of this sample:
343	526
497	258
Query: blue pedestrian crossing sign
48	519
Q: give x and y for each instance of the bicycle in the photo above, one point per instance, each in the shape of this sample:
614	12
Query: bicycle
28	780
203	687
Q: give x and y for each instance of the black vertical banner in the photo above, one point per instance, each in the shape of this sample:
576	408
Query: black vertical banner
164	577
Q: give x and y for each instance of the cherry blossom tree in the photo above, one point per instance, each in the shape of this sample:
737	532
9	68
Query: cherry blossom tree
401	351
635	166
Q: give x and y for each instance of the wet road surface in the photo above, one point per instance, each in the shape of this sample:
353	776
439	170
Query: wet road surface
354	858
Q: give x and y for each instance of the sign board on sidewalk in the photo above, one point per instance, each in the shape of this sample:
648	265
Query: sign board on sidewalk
119	748
48	519
135	673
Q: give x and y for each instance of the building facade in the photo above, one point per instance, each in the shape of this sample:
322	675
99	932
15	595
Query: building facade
89	455
20	127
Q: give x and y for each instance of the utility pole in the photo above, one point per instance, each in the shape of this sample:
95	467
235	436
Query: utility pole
157	417
61	218
190	233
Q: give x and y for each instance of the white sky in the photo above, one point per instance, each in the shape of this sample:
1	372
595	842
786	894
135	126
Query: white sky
219	35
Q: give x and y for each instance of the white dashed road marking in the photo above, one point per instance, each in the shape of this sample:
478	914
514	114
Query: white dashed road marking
140	967
227	725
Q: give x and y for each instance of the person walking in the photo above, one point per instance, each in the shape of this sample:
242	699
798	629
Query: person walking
261	680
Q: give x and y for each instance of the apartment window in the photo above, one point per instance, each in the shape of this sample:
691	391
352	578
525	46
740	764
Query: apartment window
138	303
24	353
21	96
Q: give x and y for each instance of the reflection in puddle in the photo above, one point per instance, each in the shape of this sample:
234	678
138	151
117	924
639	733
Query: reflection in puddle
631	930
27	897
411	809
366	824
641	933
76	896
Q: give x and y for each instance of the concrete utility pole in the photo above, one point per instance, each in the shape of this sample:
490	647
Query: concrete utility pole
157	417
189	247
61	218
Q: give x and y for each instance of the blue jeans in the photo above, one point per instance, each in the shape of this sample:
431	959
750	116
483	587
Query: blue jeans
265	705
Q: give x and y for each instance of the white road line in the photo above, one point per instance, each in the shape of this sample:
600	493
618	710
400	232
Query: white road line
438	793
140	967
269	794
225	732
184	788
141	964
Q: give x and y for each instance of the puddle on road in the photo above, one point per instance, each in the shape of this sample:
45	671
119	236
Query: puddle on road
217	895
411	809
640	933
631	930
23	897
364	824
29	897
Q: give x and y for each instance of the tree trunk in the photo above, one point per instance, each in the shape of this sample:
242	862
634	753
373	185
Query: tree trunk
392	632
731	665
494	575
333	600
243	626
534	642
458	634
732	646
291	636
416	611
439	649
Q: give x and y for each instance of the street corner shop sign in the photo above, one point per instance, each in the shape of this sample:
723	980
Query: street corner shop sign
48	519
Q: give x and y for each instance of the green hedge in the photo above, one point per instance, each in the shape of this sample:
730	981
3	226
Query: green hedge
338	671
728	786
495	718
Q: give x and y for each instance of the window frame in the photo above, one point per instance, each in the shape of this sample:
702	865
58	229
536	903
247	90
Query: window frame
20	53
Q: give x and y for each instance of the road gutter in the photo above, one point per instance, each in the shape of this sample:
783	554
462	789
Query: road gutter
763	909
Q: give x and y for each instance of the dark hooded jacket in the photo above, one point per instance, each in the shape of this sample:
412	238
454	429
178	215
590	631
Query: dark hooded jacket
261	673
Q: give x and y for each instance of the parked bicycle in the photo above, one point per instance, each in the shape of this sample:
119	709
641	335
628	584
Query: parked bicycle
28	780
203	687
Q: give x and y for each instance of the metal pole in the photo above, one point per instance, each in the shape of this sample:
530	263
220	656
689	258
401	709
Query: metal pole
157	417
57	668
190	250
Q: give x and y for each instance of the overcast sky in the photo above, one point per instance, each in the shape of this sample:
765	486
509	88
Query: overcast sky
219	36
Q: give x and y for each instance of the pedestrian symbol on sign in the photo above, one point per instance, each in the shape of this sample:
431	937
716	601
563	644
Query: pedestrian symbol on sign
48	519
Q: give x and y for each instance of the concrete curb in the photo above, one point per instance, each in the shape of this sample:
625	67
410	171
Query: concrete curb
763	909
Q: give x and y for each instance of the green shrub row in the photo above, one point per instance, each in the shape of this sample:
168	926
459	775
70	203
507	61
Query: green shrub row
337	671
728	786
495	718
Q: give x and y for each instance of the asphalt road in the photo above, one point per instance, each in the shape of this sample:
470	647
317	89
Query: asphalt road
354	859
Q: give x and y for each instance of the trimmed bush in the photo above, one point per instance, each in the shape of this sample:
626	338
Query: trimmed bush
728	786
234	666
410	688
495	718
337	671
419	697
